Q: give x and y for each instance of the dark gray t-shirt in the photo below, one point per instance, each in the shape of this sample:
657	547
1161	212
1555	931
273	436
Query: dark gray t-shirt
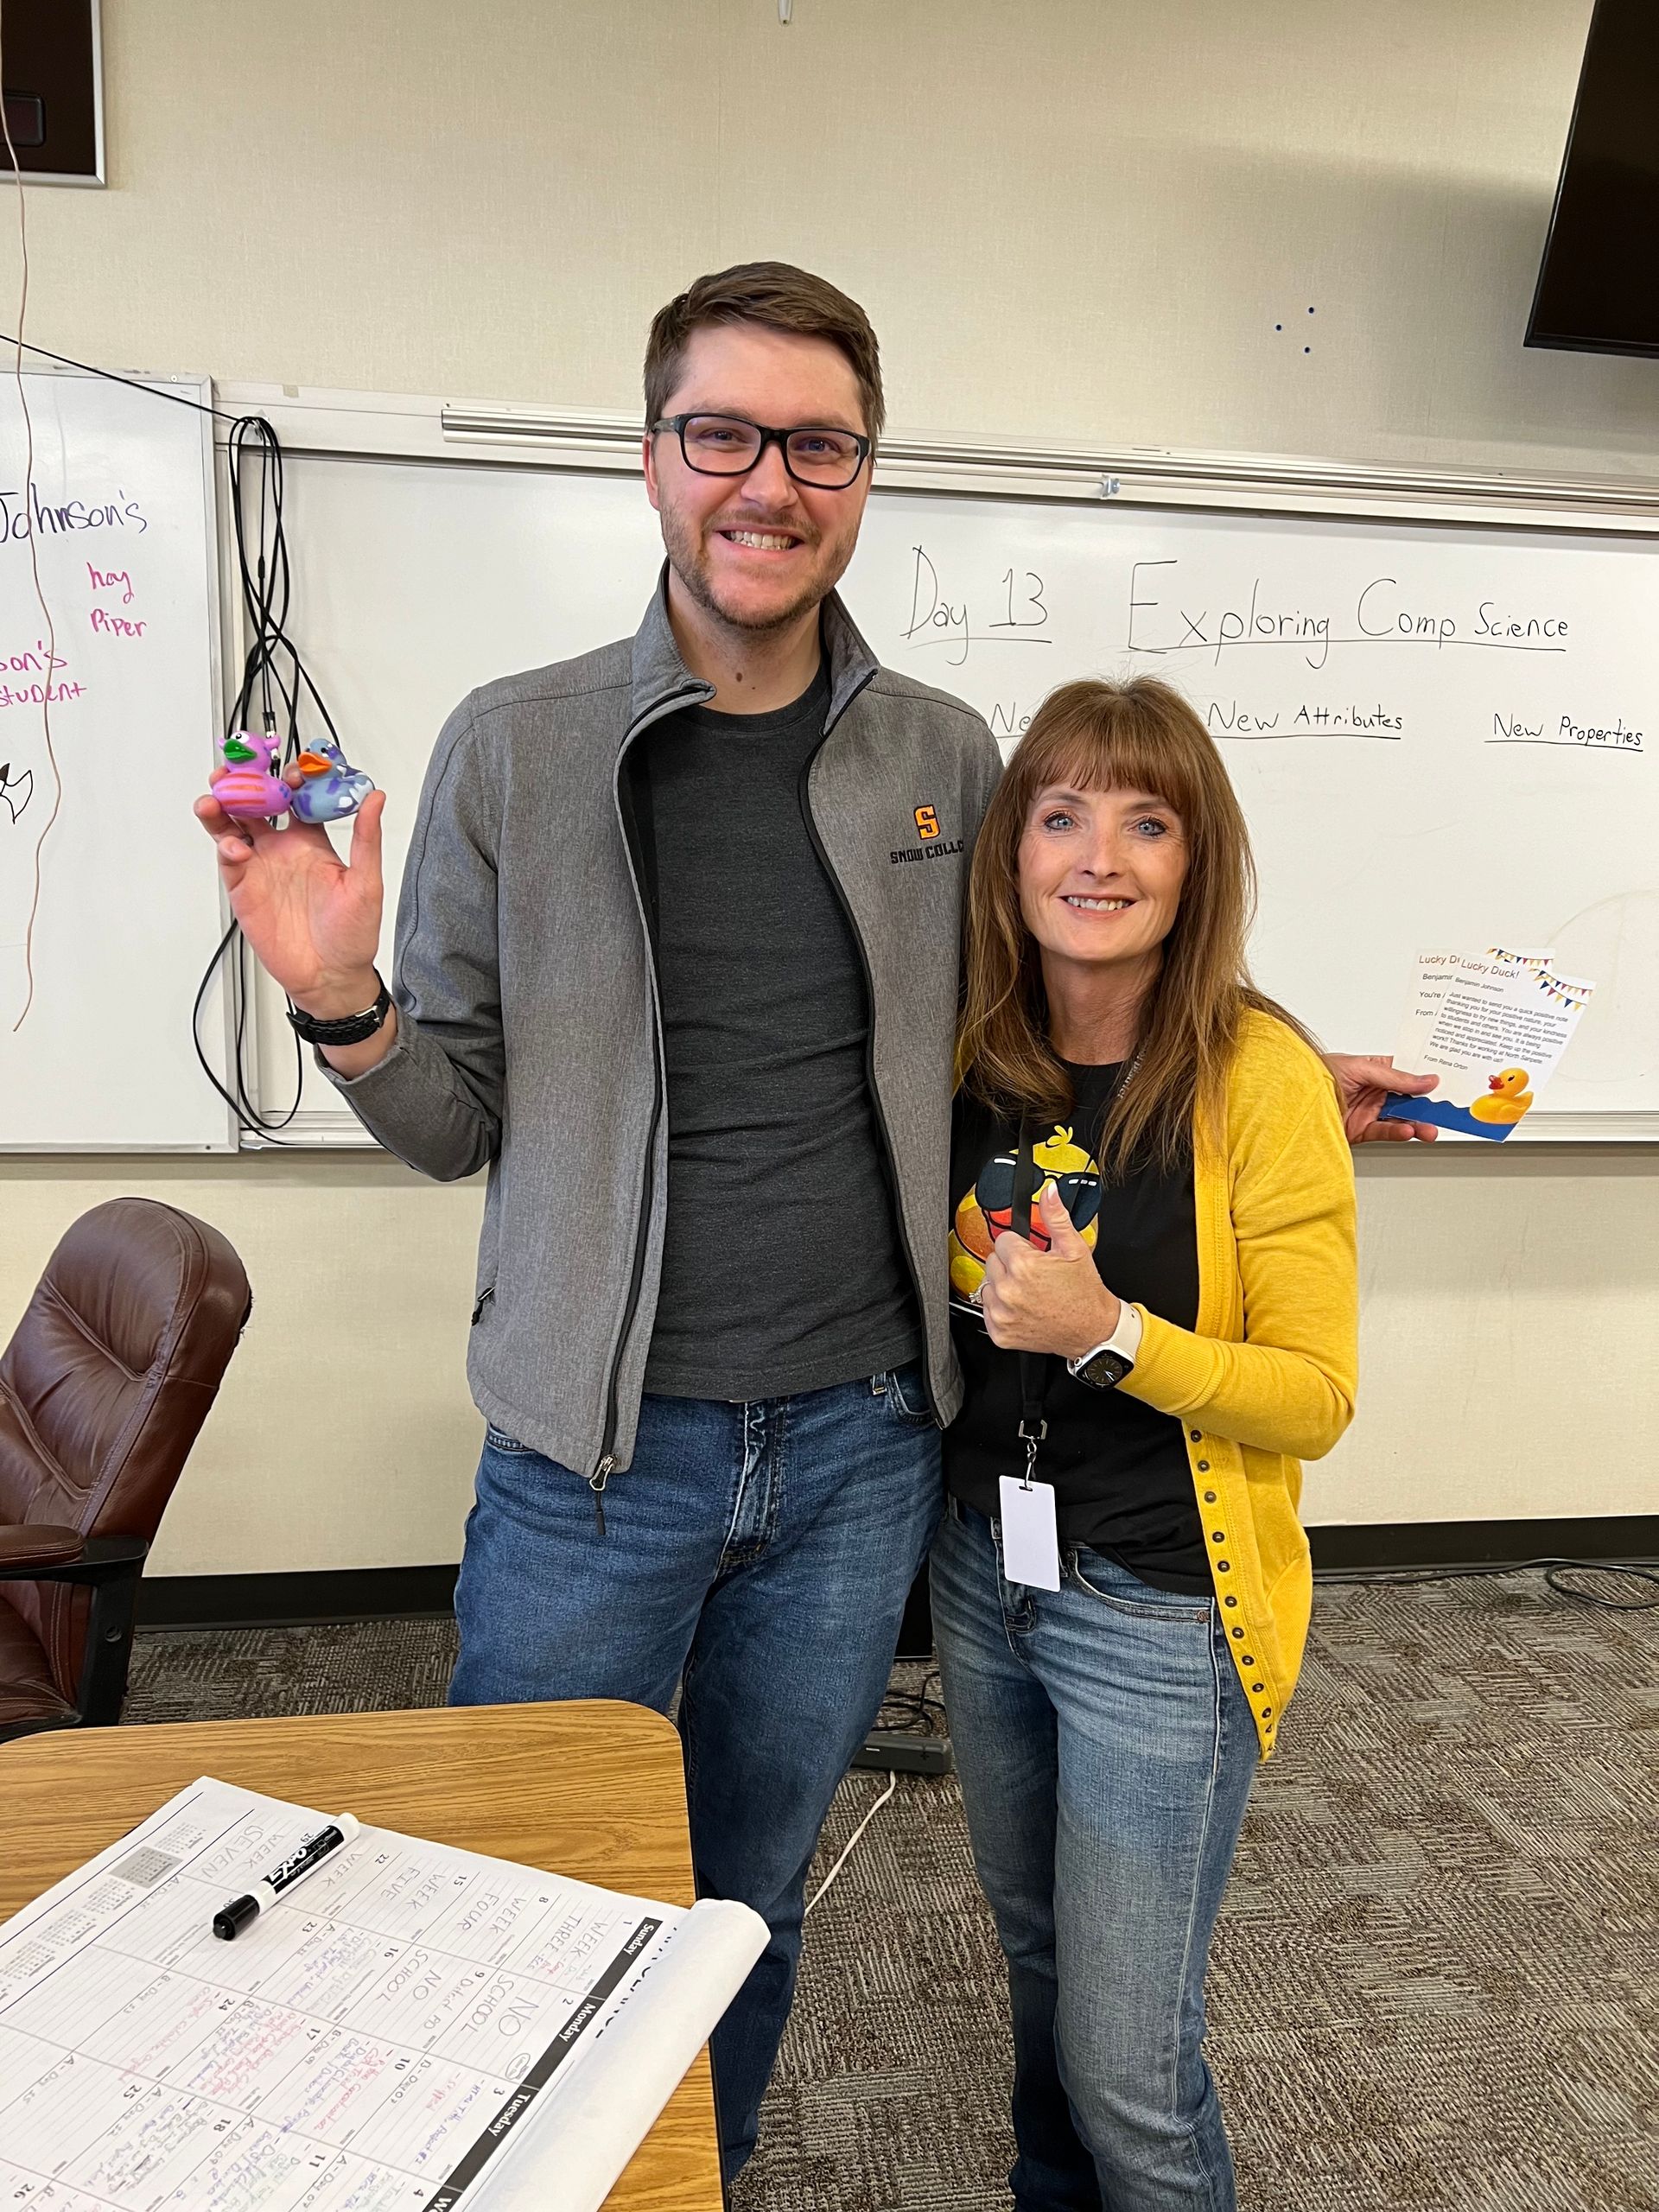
782	1265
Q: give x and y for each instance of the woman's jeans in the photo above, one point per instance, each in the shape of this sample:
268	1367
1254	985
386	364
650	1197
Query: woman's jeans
755	1557
1106	1748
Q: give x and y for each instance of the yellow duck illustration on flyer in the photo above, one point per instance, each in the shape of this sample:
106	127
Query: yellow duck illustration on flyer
1507	1097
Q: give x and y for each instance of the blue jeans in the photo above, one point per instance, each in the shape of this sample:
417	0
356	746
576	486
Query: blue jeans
1106	1748
758	1556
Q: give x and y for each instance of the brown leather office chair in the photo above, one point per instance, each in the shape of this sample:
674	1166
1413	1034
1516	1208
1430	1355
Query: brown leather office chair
102	1389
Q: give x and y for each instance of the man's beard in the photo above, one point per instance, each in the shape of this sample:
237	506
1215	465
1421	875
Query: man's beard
687	558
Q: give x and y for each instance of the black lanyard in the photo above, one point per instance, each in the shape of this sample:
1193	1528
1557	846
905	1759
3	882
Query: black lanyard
1033	1365
1036	1367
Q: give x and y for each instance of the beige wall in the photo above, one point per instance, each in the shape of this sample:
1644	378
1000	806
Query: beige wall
344	1435
1068	218
1072	220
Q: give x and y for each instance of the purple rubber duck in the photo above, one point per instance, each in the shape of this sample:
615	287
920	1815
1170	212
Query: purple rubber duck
330	790
246	784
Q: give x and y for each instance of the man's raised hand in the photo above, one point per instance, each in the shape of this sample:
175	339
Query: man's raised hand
312	919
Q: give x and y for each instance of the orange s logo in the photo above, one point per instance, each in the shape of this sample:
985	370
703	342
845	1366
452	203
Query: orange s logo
927	822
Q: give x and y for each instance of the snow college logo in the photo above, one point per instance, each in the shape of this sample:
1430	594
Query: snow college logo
935	844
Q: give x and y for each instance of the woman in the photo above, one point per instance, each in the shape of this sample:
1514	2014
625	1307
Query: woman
1154	1289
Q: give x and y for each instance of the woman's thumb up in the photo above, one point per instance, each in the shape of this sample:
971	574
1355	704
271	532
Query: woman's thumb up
1063	1238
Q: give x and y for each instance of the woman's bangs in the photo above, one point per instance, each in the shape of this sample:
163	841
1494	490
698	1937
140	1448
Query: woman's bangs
1119	751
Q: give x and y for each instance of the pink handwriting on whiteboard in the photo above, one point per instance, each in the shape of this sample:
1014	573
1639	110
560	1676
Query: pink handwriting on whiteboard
105	625
112	580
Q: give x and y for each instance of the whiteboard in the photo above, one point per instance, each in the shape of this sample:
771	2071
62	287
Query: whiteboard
1442	733
98	1054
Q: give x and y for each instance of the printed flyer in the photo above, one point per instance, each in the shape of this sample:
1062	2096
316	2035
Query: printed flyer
1492	1024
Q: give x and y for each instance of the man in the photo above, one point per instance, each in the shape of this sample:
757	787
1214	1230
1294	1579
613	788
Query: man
656	973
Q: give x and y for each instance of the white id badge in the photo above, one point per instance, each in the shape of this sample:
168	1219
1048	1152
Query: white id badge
1031	1546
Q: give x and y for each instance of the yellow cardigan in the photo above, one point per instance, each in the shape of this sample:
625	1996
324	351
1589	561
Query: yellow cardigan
1267	1377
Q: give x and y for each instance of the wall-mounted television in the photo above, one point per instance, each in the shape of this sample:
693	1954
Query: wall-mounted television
51	87
1598	288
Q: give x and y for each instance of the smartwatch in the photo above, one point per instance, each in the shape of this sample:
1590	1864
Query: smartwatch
1104	1367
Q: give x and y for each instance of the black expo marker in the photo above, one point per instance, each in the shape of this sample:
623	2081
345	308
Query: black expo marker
309	1856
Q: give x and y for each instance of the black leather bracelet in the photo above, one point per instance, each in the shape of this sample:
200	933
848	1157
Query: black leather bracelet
350	1029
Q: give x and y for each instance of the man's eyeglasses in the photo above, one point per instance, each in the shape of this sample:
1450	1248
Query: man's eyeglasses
728	445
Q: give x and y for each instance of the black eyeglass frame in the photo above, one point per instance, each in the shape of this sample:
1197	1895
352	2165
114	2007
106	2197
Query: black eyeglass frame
769	436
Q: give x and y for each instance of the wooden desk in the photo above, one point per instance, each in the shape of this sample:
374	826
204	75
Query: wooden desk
593	1789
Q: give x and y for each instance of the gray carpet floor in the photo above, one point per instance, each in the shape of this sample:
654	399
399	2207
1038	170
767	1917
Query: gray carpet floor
1435	1983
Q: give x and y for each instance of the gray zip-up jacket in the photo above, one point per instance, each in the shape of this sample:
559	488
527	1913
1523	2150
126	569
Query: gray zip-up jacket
529	1035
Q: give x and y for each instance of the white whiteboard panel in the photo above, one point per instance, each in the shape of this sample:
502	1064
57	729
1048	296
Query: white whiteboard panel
1414	772
128	911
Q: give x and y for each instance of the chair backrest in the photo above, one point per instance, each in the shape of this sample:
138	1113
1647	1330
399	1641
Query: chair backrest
107	1381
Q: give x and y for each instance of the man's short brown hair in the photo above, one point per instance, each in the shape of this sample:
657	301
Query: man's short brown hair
778	297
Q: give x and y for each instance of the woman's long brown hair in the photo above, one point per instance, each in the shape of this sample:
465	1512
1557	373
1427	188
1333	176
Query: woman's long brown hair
1139	736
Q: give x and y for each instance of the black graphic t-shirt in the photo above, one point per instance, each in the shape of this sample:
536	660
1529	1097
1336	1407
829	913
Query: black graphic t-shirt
1122	1483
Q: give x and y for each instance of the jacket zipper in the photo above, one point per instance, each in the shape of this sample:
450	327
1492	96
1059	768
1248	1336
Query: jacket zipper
889	1157
606	1464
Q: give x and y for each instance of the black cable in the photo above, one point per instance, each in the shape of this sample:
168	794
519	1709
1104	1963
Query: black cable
273	668
911	1708
267	584
1641	1571
155	391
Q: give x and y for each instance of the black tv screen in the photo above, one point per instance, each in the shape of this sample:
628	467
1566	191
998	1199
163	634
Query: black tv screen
1598	287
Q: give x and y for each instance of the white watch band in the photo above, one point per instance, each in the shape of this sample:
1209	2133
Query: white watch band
1125	1339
